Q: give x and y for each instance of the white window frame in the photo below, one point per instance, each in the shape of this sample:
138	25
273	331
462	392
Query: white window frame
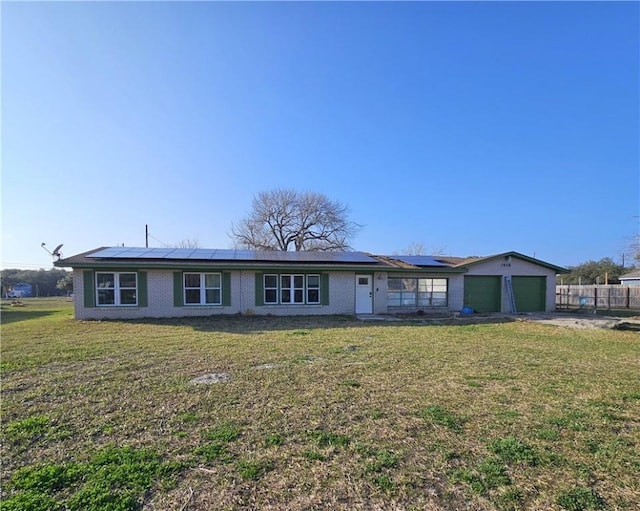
294	290
289	290
423	294
116	288
202	288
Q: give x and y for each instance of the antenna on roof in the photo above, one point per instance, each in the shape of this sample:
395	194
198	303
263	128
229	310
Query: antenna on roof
56	251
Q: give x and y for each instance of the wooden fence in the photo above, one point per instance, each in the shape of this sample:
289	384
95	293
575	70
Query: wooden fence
569	296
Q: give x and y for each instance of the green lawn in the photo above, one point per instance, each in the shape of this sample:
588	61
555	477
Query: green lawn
318	413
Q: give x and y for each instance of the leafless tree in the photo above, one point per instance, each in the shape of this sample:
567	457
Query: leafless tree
285	219
419	248
188	243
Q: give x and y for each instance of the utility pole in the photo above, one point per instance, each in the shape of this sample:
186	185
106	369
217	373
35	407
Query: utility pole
146	236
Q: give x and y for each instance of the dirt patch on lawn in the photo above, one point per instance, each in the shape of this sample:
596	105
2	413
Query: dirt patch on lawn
564	319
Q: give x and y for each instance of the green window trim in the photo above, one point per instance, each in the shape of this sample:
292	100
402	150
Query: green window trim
142	289
226	289
324	289
259	289
178	289
89	281
89	288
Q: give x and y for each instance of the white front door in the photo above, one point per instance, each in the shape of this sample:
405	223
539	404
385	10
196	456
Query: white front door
364	294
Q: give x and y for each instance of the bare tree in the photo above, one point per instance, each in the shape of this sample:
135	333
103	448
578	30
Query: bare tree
285	219
188	243
419	248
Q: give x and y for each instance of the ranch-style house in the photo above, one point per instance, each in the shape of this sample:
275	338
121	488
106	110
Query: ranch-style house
127	282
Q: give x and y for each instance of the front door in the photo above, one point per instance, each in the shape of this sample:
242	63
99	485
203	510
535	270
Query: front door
364	294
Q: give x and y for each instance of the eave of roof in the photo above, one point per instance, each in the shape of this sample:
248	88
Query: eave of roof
87	260
455	265
473	261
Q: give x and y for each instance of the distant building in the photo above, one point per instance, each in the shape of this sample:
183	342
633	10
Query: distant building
630	279
20	290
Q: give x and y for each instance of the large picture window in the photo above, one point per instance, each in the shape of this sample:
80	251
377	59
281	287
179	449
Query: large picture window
202	288
116	288
292	289
416	292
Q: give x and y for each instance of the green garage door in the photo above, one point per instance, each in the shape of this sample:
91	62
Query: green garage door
530	293
482	292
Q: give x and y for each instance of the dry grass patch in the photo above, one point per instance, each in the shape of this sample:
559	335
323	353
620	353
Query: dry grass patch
320	413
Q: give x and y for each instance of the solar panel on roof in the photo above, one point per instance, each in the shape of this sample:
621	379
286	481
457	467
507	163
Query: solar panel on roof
419	260
107	252
232	255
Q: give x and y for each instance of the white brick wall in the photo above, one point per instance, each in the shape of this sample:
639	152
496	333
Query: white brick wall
341	294
160	299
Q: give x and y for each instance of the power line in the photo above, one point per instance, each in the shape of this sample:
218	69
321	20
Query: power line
165	245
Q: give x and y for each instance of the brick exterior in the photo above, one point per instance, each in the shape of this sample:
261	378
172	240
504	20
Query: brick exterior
243	300
342	292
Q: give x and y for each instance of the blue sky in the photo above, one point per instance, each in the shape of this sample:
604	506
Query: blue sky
471	128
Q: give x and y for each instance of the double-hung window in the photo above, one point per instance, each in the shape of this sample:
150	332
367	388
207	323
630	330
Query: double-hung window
202	288
116	288
291	289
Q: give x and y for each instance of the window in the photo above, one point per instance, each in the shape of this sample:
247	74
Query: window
270	289
416	292
292	289
313	288
116	288
202	288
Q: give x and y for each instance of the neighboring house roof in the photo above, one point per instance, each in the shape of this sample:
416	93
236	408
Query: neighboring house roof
634	275
172	258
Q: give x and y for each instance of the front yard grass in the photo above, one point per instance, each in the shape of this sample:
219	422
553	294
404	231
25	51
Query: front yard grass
317	413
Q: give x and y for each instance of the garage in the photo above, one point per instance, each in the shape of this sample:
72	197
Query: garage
530	293
482	292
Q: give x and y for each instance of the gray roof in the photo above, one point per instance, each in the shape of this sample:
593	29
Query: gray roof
634	275
129	257
208	254
178	258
